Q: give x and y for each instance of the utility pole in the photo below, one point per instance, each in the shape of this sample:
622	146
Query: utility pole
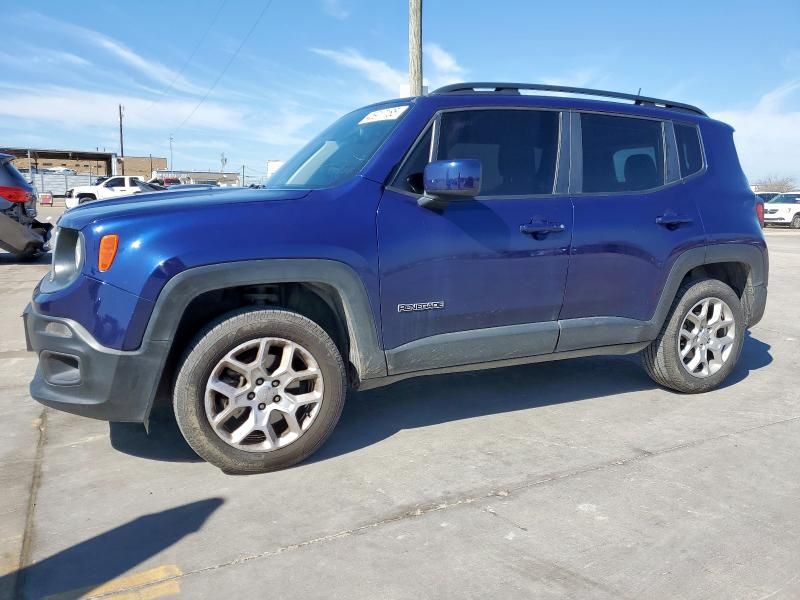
415	47
243	185
171	166
121	146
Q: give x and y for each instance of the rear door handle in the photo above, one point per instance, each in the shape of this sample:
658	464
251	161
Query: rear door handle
672	221
541	229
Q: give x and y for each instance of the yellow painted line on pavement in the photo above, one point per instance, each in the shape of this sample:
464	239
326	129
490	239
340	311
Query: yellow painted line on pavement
147	585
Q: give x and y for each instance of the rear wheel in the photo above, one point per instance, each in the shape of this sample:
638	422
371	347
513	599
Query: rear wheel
701	340
795	222
260	390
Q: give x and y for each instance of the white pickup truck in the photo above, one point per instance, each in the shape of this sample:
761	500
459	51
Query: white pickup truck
112	187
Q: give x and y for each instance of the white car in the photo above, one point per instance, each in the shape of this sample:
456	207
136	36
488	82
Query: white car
112	187
783	209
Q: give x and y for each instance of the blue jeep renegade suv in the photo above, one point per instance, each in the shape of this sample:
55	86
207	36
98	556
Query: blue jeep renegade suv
474	227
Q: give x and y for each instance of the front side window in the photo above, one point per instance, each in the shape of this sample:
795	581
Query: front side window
690	155
518	149
409	177
621	154
340	151
115	182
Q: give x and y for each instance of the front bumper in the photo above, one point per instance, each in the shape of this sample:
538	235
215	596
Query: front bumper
78	375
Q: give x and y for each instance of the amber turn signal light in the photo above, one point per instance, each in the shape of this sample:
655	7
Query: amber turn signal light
108	250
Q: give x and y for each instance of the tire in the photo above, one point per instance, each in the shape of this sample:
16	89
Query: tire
662	358
194	401
84	199
795	222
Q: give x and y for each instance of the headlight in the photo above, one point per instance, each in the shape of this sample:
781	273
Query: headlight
68	257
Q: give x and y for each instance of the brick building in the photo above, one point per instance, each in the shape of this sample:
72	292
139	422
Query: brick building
92	163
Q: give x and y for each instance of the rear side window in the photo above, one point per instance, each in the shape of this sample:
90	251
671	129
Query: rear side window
517	148
621	154
690	155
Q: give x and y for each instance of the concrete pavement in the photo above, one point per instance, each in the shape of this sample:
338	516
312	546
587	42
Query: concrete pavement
573	479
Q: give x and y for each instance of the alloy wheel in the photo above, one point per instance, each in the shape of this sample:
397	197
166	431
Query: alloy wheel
264	394
706	337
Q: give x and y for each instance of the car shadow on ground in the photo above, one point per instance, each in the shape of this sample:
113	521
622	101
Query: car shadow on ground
374	415
162	442
76	571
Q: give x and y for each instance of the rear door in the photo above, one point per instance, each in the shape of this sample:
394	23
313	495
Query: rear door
131	186
465	283
634	215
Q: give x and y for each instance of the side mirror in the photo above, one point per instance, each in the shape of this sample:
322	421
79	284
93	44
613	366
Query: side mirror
451	180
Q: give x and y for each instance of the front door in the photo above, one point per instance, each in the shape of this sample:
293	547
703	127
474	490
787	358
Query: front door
479	279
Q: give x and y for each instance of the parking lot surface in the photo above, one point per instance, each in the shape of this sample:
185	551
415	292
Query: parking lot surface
577	479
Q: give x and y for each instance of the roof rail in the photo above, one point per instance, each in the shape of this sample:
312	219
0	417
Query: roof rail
514	88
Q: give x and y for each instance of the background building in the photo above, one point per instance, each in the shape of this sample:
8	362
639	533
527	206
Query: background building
85	162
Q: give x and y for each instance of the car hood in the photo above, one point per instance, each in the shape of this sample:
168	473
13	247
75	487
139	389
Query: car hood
169	202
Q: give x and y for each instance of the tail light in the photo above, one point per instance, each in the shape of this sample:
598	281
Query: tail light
760	212
15	194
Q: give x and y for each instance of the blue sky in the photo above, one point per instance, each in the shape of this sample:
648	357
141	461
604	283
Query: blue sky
66	66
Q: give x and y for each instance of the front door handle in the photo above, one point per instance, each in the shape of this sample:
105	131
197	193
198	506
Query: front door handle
541	229
673	221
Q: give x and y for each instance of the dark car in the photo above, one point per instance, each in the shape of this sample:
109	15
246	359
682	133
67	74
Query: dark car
20	232
471	228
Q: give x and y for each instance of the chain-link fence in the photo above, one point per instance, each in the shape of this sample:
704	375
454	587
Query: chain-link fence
58	183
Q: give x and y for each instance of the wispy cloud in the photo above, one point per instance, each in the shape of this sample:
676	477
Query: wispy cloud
29	57
766	134
77	108
376	71
335	9
443	66
152	69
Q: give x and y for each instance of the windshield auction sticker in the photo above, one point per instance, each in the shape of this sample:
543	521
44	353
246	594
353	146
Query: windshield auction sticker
384	114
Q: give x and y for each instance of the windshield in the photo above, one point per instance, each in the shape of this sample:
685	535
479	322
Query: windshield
785	199
340	151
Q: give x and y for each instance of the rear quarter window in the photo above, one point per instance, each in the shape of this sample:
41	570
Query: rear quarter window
690	153
10	176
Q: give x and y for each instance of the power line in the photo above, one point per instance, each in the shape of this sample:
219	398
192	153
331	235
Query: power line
181	71
196	48
227	66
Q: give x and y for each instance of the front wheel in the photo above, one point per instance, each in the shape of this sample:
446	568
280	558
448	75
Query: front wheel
701	340
259	390
795	222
